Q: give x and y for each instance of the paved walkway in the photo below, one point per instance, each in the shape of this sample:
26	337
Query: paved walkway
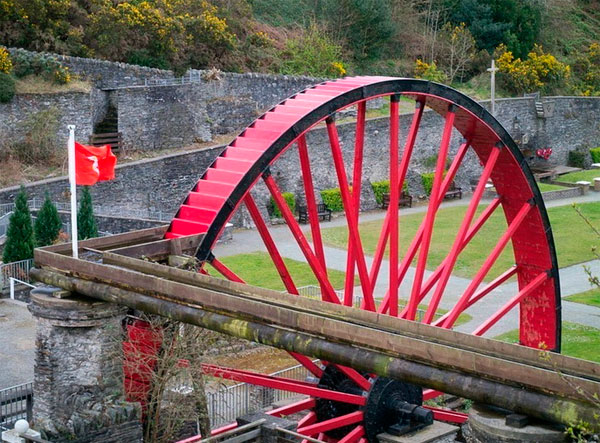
573	278
17	343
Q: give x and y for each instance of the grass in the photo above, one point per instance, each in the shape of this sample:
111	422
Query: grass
587	175
33	84
568	228
578	341
257	268
591	297
548	187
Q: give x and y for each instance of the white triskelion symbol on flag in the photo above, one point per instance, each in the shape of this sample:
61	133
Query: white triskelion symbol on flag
95	165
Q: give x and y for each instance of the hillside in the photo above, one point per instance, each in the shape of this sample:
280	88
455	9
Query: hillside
453	39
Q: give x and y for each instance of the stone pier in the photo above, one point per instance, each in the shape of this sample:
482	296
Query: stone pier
78	381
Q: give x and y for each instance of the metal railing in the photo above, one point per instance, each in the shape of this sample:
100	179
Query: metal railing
226	404
15	403
13	284
18	270
192	76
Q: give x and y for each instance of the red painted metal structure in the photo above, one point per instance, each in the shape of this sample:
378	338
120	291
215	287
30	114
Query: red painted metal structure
226	185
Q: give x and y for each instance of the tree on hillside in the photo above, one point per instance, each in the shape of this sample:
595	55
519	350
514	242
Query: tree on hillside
86	223
47	224
19	237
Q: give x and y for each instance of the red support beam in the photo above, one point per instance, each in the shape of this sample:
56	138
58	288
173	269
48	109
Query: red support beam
225	271
489	262
308	419
355	376
356	189
294	408
459	240
328	291
311	204
338	160
261	226
448	415
308	364
528	289
393	206
285	384
333	423
354	435
430	214
406	156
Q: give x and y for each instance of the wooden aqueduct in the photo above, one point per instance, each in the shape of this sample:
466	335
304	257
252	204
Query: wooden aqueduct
375	359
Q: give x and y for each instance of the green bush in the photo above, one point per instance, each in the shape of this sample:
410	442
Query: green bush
382	187
427	180
289	198
576	159
47	224
595	153
332	198
86	222
19	236
7	88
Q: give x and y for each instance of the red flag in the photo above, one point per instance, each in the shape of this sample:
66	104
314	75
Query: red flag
93	164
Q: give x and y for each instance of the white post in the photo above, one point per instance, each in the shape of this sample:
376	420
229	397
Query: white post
493	70
71	150
12	288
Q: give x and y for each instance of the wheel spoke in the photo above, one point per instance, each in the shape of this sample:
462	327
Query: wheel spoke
430	214
393	206
483	292
338	161
355	376
459	241
328	291
528	289
307	420
294	408
311	205
308	364
447	415
224	270
359	140
489	262
354	435
332	423
406	156
433	278
261	226
286	384
416	241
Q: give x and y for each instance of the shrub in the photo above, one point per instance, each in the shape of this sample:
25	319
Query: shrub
429	71
47	224
380	188
7	88
332	198
40	144
595	153
427	181
62	75
86	223
19	236
576	159
289	198
6	65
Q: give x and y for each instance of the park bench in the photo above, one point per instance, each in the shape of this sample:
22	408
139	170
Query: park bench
453	192
323	212
404	200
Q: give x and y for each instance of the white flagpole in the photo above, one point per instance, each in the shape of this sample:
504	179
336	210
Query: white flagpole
71	151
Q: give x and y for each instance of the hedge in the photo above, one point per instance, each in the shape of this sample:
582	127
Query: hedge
576	159
595	153
7	88
332	198
383	187
290	199
427	180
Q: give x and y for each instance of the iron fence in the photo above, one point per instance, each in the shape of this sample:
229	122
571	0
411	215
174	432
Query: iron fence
226	404
18	270
15	404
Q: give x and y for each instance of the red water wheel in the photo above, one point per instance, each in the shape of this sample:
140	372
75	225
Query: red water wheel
342	402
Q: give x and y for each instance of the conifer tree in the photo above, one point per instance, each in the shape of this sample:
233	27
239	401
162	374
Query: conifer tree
47	224
86	223
19	236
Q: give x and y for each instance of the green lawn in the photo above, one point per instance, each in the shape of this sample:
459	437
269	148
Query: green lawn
257	269
547	187
591	297
577	340
587	175
573	237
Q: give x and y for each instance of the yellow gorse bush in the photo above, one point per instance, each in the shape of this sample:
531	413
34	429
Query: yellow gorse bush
6	65
428	71
539	71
